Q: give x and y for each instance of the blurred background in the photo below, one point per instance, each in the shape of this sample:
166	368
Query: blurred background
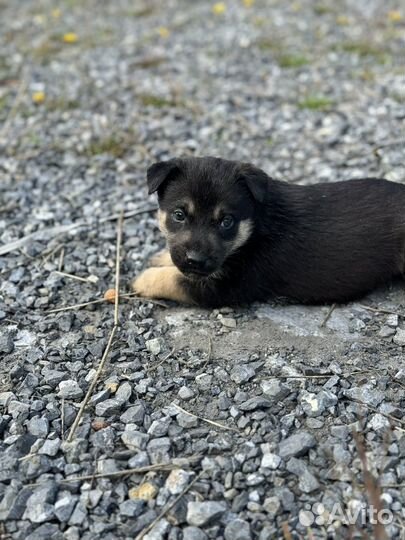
306	89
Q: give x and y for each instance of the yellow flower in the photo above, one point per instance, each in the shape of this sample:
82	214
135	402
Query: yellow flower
395	16
38	97
342	20
248	3
219	8
163	32
70	37
56	13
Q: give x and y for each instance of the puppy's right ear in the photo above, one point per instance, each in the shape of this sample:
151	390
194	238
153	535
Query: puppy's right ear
161	172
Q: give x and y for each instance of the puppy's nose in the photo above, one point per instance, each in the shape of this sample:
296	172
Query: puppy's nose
196	259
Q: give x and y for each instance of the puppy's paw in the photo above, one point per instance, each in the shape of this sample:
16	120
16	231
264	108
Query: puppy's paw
163	282
163	258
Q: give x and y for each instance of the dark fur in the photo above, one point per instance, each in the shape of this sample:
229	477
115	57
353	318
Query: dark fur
313	244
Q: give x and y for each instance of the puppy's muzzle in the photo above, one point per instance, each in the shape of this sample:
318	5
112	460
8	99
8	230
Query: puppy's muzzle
198	263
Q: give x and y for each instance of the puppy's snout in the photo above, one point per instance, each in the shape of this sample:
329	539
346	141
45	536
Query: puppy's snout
196	259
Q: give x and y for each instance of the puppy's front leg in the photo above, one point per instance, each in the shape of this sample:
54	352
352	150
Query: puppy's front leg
164	282
163	258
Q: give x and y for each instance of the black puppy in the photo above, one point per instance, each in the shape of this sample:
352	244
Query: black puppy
236	235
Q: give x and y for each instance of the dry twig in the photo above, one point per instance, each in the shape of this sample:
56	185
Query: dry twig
217	424
110	340
328	315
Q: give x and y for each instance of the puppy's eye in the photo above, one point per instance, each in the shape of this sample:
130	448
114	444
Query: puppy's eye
227	222
179	215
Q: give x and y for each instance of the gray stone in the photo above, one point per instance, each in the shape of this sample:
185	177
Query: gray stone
204	381
386	331
159	530
177	481
70	389
6	342
50	447
40	504
185	393
64	506
38	426
274	389
159	428
134	415
254	403
399	337
53	377
158	450
124	392
270	461
133	439
297	444
307	481
155	345
315	404
46	531
237	529
272	506
79	514
194	533
186	420
366	394
242	373
205	512
109	407
132	508
5	398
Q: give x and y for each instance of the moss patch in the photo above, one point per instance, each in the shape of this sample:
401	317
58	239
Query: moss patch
151	100
116	145
316	103
292	61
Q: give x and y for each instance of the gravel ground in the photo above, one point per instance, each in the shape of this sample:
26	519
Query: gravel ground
293	414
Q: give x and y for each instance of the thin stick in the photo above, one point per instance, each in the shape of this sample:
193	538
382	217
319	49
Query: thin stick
92	385
113	332
102	300
168	507
205	419
116	474
62	419
61	259
374	409
132	213
72	276
117	266
328	315
377	310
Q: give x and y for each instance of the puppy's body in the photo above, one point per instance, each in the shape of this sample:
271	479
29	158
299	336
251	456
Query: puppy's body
321	243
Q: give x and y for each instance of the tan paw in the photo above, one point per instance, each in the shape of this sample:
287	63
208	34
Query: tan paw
163	258
163	282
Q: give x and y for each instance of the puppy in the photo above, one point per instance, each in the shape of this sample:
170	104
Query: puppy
235	235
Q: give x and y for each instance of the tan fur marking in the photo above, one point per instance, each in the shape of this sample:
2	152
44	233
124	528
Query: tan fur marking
162	222
244	231
161	282
163	258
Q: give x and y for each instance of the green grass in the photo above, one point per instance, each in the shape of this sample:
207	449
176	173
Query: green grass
116	145
292	60
316	103
364	49
151	100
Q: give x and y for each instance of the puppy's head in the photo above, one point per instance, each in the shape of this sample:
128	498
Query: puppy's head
208	208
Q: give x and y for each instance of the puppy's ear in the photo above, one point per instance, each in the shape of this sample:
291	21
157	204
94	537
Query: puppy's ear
161	172
256	180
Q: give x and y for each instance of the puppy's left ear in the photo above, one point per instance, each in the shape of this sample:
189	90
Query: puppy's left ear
256	180
161	172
